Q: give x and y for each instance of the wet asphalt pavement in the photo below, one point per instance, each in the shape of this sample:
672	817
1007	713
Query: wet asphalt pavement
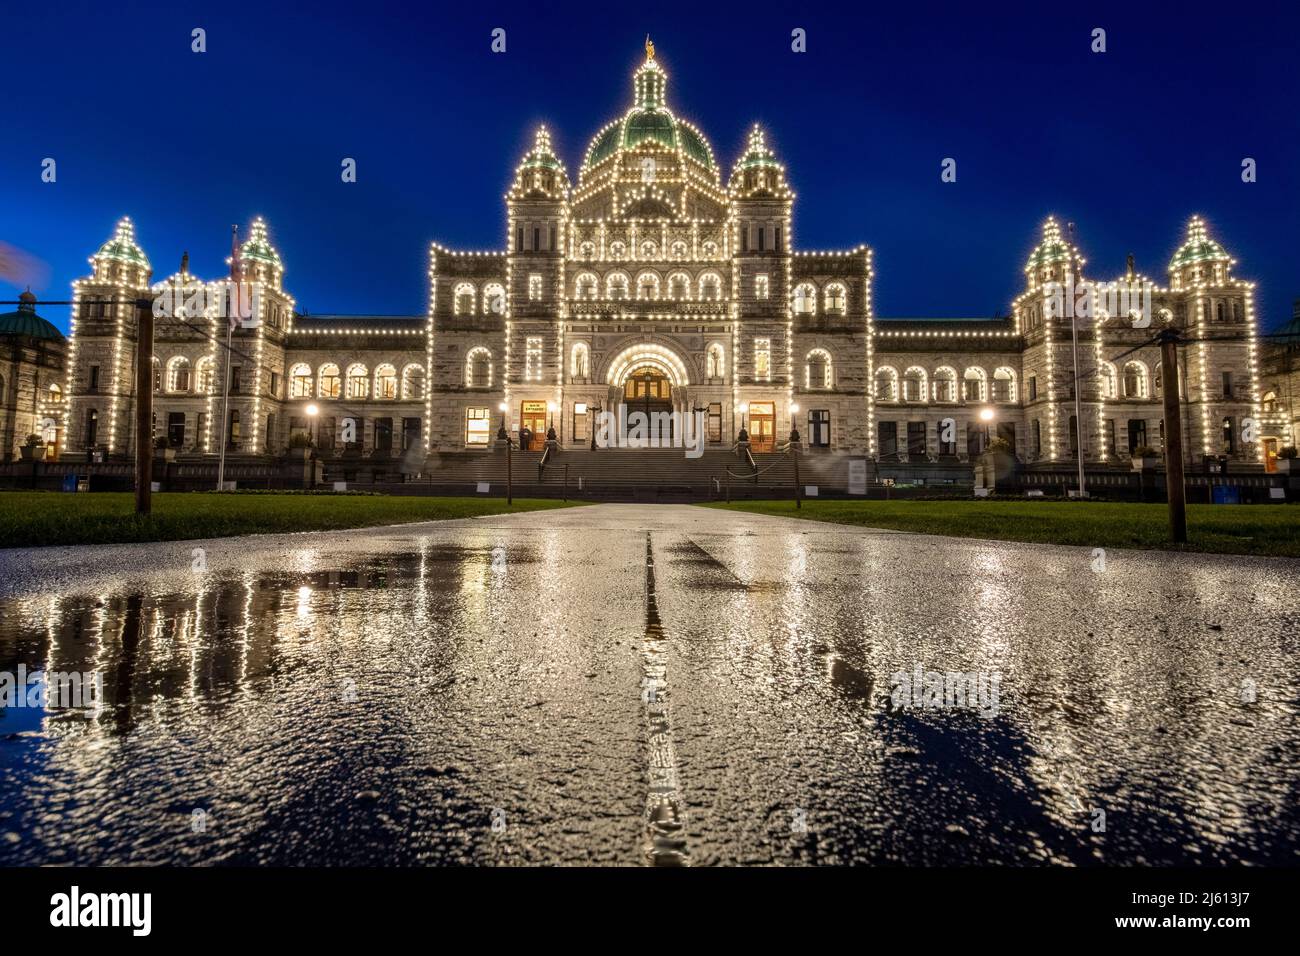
634	685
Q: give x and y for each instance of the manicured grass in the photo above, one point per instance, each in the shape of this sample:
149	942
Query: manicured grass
44	518
1219	529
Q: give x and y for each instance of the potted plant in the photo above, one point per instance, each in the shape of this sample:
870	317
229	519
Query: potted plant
300	445
33	449
1145	458
1286	460
162	449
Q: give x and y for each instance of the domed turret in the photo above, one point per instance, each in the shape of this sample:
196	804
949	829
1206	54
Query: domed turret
1199	258
120	259
758	173
649	121
540	173
1054	259
261	260
26	322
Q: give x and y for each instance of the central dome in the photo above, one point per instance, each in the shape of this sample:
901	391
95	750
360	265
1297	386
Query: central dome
649	120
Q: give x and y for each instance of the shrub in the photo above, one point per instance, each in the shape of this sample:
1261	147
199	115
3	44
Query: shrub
1145	451
1288	452
299	440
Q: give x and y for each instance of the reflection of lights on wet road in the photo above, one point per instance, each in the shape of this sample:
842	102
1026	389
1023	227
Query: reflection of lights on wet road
304	601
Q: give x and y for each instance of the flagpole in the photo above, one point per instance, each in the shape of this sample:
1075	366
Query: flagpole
230	328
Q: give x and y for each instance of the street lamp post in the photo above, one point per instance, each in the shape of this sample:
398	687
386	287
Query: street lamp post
504	433
794	454
312	411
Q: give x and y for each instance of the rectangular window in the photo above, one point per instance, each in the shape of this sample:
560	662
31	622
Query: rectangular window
94	379
1110	437
744	239
1033	387
1227	385
478	426
1035	438
328	433
383	434
887	435
761	286
92	428
176	429
1074	437
1007	432
235	371
713	423
1229	436
776	238
534	287
533	358
762	239
916	440
234	434
579	421
552	245
763	360
1137	434
977	439
819	428
945	446
274	386
519	239
537	239
412	428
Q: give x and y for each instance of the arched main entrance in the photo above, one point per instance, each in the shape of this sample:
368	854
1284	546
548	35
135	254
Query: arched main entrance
651	378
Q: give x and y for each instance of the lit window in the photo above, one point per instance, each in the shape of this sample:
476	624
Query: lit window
534	287
763	360
478	426
761	286
533	358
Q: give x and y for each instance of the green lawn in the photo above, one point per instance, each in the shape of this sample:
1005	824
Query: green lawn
44	517
1221	529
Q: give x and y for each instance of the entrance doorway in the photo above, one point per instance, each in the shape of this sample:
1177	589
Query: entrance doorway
762	426
1270	455
648	390
532	415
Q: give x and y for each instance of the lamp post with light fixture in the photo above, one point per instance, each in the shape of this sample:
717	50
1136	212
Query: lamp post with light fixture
506	435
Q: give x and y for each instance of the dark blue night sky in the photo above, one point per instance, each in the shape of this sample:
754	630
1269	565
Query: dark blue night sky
1127	144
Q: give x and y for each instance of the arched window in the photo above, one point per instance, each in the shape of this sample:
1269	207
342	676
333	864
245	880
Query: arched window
915	388
647	286
413	382
205	375
616	286
585	286
973	382
580	361
178	374
679	286
886	384
710	287
649	250
328	383
386	382
1269	401
478	368
679	251
358	381
587	250
1135	380
494	298
805	299
1004	385
299	381
835	298
709	250
945	384
464	300
54	393
716	361
819	371
1108	380
618	250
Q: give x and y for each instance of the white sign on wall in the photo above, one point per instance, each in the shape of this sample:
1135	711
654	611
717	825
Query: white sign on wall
857	476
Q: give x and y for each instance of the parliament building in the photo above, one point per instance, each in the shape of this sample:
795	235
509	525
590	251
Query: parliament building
659	281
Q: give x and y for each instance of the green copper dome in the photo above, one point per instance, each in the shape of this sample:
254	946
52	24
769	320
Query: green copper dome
1052	248
123	247
26	322
1198	247
649	121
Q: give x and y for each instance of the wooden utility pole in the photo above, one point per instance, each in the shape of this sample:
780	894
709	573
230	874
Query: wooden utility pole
143	406
1175	487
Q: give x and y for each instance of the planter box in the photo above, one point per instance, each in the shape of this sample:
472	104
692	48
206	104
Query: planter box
1145	464
1287	466
33	452
165	454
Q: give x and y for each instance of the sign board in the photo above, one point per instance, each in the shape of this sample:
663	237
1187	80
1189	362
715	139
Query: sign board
810	491
981	492
70	483
1036	493
228	486
155	486
340	486
857	476
483	487
1277	493
1226	495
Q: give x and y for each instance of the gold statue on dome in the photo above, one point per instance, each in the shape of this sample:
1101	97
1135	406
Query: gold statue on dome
649	48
